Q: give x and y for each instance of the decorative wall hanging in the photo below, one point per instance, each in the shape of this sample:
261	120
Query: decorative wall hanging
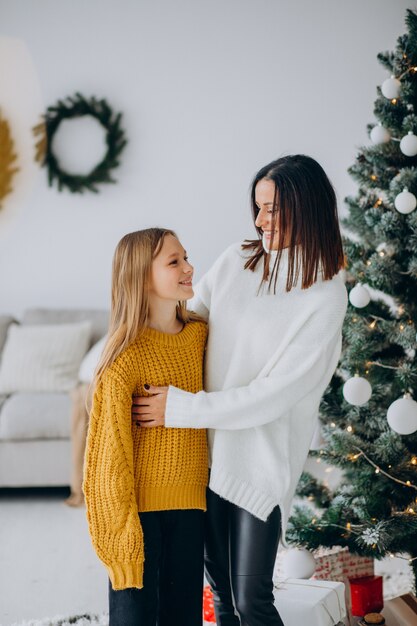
7	159
73	107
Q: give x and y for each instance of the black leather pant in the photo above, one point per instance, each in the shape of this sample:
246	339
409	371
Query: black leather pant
240	552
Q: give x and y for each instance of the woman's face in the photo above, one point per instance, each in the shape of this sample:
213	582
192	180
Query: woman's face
171	273
264	198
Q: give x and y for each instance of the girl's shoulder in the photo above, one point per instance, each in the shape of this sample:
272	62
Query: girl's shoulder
123	369
199	328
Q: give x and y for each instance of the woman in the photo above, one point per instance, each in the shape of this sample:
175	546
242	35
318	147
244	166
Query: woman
275	307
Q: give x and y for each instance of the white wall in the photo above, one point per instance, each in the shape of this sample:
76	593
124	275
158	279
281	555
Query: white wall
210	92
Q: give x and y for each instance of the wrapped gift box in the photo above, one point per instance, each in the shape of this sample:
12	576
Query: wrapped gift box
312	602
401	611
334	563
338	564
366	595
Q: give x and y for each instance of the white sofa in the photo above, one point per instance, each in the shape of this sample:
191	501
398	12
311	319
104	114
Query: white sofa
35	447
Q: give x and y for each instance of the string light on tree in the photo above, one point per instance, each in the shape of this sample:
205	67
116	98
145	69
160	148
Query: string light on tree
357	390
359	296
408	144
385	249
402	415
379	134
405	202
391	88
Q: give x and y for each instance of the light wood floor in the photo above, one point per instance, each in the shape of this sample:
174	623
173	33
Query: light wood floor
47	564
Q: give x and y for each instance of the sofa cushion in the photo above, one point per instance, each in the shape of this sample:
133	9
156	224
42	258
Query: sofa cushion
99	319
36	416
43	358
5	321
90	361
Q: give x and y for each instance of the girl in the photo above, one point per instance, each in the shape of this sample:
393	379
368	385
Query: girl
145	490
276	306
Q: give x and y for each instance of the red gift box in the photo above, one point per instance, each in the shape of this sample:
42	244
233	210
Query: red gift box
208	605
366	595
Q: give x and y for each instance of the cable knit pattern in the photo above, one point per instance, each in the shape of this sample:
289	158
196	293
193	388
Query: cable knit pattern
129	469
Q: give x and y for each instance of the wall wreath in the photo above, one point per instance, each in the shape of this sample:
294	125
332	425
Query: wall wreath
72	107
7	160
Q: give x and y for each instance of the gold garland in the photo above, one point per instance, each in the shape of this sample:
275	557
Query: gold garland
7	158
41	143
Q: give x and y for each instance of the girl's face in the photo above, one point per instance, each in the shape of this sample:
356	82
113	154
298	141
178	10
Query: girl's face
171	273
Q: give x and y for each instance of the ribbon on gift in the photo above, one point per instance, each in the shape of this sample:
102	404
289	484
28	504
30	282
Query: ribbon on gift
319	584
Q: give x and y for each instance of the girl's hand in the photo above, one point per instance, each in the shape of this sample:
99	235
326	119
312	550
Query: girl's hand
149	412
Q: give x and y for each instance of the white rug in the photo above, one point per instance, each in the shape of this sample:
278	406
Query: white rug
60	620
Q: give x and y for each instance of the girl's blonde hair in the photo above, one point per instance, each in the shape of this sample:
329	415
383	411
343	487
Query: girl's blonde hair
129	312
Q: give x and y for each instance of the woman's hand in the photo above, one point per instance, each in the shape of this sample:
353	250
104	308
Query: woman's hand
149	412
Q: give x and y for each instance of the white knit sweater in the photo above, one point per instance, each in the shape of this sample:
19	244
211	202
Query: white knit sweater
269	359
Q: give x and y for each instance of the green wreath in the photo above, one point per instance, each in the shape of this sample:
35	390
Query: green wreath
77	106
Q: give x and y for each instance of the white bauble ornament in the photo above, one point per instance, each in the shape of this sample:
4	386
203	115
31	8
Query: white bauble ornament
298	563
379	134
402	415
391	88
357	391
405	202
408	144
359	296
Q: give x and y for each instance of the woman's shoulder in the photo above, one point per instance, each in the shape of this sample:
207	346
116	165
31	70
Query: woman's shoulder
230	257
233	250
334	287
329	297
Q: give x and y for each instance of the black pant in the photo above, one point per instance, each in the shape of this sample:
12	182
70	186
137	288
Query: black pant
240	552
173	575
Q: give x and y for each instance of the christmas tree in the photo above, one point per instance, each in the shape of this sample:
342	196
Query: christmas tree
368	414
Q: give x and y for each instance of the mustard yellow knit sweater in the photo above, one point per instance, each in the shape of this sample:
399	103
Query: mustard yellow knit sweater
127	468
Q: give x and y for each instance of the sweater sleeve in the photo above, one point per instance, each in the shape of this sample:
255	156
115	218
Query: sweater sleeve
108	485
303	367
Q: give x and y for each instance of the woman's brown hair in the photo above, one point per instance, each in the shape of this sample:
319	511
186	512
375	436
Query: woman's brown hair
305	214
